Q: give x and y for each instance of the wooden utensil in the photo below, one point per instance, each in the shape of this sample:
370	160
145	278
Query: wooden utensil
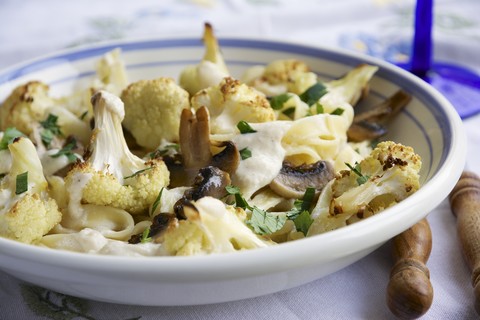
465	204
409	292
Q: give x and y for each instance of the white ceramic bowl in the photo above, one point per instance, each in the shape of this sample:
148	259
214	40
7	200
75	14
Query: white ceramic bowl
429	124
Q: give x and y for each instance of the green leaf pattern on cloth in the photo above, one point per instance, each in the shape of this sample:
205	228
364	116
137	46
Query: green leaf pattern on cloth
56	306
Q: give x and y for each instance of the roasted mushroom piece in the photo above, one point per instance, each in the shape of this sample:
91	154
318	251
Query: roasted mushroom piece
292	182
196	150
160	223
210	181
228	159
195	138
369	125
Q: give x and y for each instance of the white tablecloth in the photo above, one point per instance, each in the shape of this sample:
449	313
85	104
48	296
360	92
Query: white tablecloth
382	28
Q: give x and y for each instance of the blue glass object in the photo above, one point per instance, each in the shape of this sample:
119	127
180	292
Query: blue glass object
458	84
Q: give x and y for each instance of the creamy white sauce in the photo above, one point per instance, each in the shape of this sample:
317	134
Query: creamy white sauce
5	200
76	213
53	164
93	242
5	161
267	156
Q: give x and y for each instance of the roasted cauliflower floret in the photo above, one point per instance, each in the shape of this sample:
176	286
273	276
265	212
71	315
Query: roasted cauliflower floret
111	174
281	76
387	176
230	102
110	73
31	104
353	85
26	210
210	71
210	227
153	109
27	105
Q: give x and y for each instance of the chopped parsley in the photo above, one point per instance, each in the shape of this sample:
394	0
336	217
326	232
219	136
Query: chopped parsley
8	136
303	222
239	199
319	108
83	115
146	236
245	153
277	102
313	94
361	179
21	183
302	205
50	129
261	221
67	151
244	127
337	111
300	214
289	112
264	222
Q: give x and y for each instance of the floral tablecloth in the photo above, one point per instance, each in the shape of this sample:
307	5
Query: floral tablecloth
382	28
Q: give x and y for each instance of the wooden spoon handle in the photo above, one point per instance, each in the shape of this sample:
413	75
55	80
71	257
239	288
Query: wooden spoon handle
465	204
409	292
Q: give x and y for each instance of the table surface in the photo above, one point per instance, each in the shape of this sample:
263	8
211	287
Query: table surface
382	28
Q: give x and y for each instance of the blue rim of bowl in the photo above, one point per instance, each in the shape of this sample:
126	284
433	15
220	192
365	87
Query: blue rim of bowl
268	45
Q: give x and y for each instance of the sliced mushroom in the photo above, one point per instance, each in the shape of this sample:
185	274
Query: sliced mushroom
160	223
210	181
292	182
228	159
365	130
195	146
195	138
369	125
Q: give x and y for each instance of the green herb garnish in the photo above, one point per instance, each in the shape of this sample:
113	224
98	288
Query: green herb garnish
264	222
138	172
21	183
50	129
300	214
319	108
8	136
157	201
83	115
245	153
361	179
67	151
300	206
289	112
146	236
239	199
313	94
337	111
244	127
303	222
277	102
261	221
